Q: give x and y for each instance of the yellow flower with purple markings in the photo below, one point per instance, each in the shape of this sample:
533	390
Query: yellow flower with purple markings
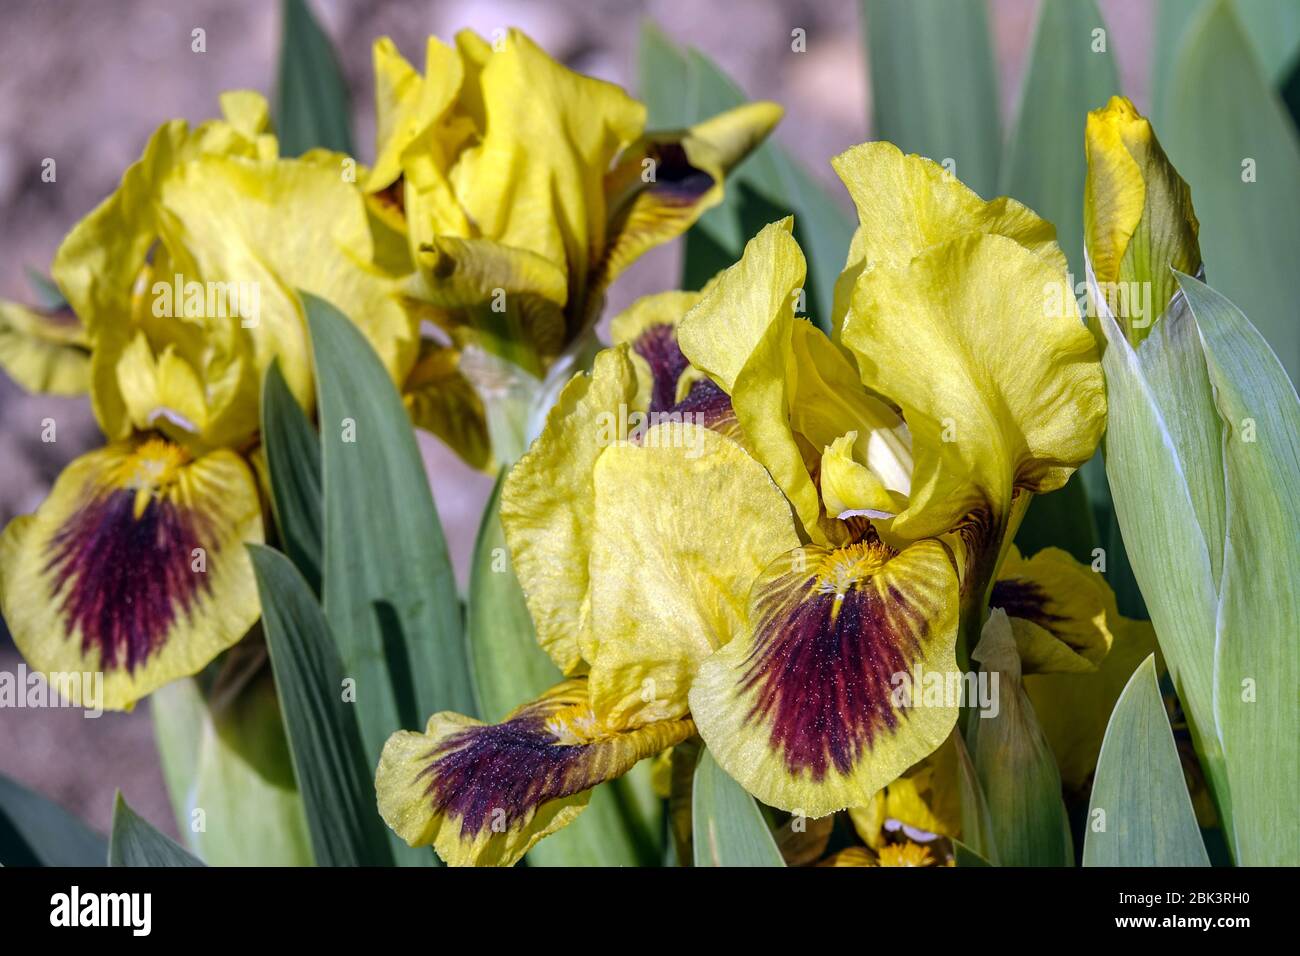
513	192
798	522
181	290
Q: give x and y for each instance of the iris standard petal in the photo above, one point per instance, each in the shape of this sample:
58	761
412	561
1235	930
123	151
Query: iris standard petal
275	228
907	203
1000	393
134	566
99	264
408	105
741	336
535	181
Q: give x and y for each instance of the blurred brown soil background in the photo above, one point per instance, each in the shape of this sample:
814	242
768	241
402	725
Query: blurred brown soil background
87	81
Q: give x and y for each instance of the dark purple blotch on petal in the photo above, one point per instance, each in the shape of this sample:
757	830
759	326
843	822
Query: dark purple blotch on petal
710	405
124	579
1023	599
823	674
676	180
513	767
658	346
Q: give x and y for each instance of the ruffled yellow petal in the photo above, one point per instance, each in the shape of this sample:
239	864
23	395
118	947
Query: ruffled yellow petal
276	228
661	185
906	204
442	400
999	393
811	708
1060	610
547	504
134	566
44	351
684	523
408	105
484	794
1138	217
740	335
97	263
535	182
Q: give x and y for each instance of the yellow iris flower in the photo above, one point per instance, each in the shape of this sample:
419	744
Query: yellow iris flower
181	291
738	525
499	171
515	191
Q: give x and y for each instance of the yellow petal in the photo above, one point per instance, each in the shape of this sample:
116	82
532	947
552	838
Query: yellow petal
134	566
547	505
276	228
906	204
1061	611
740	335
849	487
44	351
869	820
161	392
810	707
684	523
484	794
1138	217
97	263
999	393
100	262
536	181
661	185
442	400
829	401
408	105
